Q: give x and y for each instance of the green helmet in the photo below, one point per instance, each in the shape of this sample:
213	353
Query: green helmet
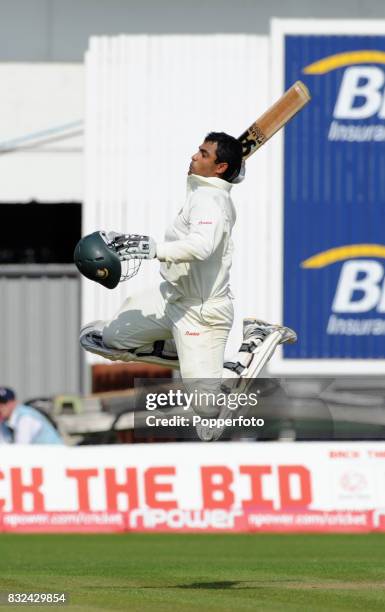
97	261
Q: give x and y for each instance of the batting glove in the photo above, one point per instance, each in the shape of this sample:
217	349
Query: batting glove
134	246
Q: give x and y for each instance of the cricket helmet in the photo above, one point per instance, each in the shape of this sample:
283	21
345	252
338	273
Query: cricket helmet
96	260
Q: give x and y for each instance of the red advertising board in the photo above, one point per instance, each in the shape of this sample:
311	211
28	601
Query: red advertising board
240	487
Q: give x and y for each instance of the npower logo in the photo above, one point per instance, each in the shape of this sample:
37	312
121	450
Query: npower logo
360	97
360	288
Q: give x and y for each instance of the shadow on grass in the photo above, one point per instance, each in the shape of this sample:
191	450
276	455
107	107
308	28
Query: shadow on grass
224	584
252	584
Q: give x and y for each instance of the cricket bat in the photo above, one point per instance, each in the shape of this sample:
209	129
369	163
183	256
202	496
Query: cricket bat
292	101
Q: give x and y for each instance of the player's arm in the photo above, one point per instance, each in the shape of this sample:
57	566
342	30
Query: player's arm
207	226
206	230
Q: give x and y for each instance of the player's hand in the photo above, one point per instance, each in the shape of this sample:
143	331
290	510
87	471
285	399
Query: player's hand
134	246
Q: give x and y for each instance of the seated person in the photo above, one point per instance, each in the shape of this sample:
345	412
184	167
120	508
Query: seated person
22	424
5	434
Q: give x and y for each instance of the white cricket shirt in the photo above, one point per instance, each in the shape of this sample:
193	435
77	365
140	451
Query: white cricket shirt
198	248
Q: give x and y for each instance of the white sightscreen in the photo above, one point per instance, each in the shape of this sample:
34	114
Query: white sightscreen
150	100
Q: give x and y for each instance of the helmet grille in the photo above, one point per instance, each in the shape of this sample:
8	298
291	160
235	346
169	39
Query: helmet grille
130	268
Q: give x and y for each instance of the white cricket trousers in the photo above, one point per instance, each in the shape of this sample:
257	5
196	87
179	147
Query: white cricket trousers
200	330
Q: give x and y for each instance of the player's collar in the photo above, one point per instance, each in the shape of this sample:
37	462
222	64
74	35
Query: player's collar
195	180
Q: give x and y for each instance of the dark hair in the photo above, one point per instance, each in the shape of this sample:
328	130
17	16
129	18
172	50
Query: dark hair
229	150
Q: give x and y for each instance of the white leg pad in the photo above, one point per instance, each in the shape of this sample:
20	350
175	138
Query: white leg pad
253	363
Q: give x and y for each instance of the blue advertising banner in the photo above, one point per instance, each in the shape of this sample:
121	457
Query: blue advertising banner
334	198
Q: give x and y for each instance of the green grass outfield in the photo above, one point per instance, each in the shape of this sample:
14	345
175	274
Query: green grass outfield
174	573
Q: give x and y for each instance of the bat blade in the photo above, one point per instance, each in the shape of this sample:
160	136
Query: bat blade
292	101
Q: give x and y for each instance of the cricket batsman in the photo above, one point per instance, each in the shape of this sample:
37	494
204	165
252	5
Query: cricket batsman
187	317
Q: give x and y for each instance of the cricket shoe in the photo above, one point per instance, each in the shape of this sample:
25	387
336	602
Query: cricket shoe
255	330
204	432
215	432
91	340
